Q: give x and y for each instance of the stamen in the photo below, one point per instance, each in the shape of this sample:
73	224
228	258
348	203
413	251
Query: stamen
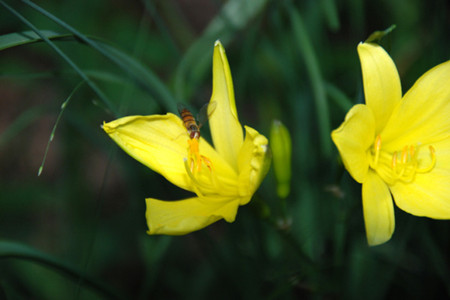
196	158
405	155
433	161
193	165
404	164
197	184
394	161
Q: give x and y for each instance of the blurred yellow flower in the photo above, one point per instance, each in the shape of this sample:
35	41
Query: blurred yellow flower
223	177
398	147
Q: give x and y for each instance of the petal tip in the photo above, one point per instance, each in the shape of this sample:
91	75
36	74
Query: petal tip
106	127
218	48
378	241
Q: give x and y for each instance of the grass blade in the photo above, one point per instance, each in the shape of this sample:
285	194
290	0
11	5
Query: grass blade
312	66
23	252
27	37
234	16
143	77
63	107
63	55
120	59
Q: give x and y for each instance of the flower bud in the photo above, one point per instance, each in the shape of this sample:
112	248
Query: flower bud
280	141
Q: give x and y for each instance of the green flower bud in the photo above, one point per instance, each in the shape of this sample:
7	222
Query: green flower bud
280	142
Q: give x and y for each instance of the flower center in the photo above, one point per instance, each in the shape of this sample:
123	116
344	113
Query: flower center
401	165
196	160
204	180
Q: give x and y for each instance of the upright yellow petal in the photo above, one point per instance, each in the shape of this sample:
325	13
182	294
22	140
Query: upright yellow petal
424	114
184	216
382	88
226	131
353	139
378	210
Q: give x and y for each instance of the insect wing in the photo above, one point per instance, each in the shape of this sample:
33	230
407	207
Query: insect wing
181	107
206	112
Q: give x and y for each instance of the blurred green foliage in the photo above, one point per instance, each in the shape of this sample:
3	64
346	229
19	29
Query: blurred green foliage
78	230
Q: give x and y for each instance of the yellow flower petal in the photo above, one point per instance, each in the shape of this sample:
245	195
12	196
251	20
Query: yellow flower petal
160	142
157	141
226	131
382	88
353	138
253	163
424	113
184	216
429	194
378	210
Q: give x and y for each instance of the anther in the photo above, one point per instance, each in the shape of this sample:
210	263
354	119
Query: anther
405	155
394	161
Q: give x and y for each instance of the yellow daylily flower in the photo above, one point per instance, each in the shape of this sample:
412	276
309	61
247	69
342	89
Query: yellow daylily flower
398	147
223	177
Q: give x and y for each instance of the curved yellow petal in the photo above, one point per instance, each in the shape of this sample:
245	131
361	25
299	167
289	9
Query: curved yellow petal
423	117
378	210
226	131
254	162
185	216
429	194
354	138
157	141
382	88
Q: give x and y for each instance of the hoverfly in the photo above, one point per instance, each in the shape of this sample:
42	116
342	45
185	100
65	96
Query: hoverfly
195	159
192	127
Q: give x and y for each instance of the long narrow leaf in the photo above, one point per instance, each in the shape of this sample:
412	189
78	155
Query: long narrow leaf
143	77
234	16
14	250
21	38
63	55
161	93
312	66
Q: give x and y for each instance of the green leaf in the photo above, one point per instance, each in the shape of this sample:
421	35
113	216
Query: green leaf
14	250
234	16
143	76
306	49
93	86
27	37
